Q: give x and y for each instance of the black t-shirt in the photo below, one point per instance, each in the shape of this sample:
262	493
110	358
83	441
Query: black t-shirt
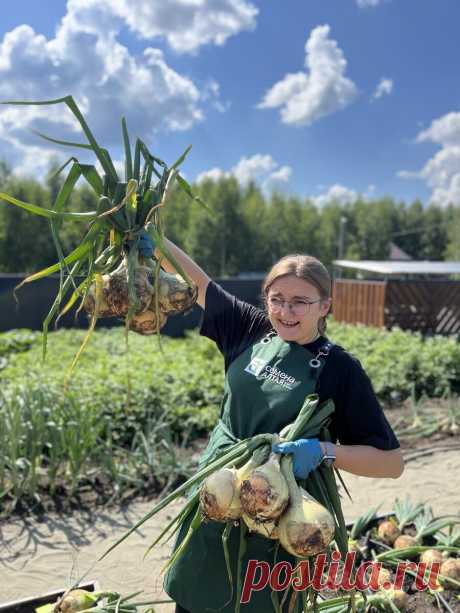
235	325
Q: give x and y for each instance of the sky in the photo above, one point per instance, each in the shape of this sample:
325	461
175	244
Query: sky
322	99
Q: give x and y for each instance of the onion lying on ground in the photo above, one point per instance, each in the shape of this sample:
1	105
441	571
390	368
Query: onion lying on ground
306	528
451	568
384	578
77	600
264	493
404	541
431	555
399	598
388	531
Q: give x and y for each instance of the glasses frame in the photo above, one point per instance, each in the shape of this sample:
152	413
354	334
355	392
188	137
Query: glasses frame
306	304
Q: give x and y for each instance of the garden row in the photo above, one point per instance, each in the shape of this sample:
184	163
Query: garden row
126	418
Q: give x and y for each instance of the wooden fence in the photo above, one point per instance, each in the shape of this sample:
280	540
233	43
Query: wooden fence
429	306
359	302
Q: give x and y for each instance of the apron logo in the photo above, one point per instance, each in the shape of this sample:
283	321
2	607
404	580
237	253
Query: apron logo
255	366
259	368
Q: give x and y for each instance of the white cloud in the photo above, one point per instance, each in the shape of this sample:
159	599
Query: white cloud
367	3
336	193
305	97
86	58
262	169
442	171
444	131
214	174
187	25
385	87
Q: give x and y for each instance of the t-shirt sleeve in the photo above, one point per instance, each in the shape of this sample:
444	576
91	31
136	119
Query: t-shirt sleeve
232	323
360	417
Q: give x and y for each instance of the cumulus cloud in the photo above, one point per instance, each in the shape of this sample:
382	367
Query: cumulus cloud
262	169
384	88
188	25
442	171
323	88
336	193
86	57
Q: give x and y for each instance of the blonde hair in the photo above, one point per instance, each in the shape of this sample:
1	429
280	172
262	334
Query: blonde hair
304	267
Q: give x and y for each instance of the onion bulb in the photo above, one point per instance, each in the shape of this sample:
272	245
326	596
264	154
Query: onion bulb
264	493
431	555
399	598
219	497
451	568
174	294
220	492
146	323
76	600
306	528
384	578
404	541
388	531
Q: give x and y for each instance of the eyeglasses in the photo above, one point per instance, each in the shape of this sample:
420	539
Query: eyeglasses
296	307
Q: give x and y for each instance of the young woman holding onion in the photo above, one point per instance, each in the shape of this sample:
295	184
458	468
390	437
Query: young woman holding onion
274	358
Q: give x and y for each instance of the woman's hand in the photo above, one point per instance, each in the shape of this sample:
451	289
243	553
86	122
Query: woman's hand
307	455
146	245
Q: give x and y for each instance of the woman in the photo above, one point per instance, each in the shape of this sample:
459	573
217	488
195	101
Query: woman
268	373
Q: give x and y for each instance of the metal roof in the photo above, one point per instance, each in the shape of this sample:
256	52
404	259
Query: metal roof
386	267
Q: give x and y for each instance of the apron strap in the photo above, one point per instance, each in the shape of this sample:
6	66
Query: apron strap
323	351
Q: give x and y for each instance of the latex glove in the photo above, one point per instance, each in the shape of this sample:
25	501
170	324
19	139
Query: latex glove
146	245
307	455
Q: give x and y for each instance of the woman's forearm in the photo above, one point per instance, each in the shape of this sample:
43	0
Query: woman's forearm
368	461
191	268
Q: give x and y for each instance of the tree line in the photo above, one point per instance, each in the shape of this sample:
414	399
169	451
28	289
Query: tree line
244	230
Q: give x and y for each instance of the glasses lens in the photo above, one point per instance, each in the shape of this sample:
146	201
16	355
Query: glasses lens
297	307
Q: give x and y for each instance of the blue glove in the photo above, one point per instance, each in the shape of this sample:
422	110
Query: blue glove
146	245
307	455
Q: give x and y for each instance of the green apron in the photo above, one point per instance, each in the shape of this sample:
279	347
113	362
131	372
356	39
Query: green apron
265	387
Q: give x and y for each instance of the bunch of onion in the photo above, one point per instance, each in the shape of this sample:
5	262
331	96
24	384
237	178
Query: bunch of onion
116	282
323	517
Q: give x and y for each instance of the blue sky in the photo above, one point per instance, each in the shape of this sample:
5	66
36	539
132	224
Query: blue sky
319	98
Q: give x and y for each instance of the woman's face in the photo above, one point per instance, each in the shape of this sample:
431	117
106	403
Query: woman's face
299	321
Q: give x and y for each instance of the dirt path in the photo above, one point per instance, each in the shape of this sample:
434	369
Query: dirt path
37	557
